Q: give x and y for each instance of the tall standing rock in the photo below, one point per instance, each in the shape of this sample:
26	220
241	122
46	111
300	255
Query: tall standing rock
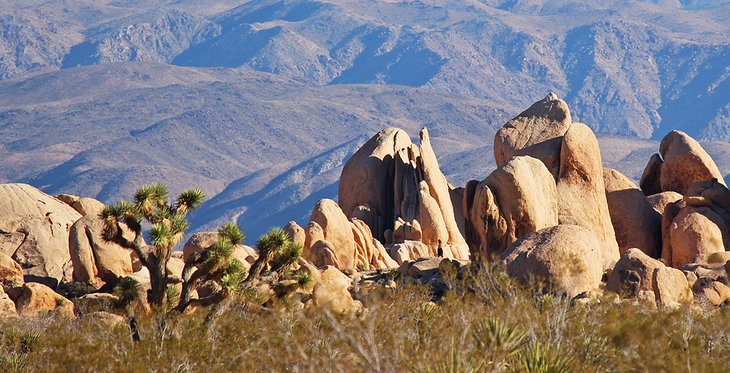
650	180
537	132
34	231
439	190
337	231
367	178
685	163
581	192
525	194
634	220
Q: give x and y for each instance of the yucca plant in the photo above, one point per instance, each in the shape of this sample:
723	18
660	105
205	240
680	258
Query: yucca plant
168	225
214	263
276	249
499	340
127	290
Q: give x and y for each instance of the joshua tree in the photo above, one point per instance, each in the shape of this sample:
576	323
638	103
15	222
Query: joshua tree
276	248
168	227
214	263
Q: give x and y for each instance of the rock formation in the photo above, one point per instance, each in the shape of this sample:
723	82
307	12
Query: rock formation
567	257
639	276
34	231
537	132
636	223
95	260
581	193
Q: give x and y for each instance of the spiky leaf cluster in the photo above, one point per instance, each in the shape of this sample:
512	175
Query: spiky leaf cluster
286	256
127	290
234	276
271	242
232	233
189	200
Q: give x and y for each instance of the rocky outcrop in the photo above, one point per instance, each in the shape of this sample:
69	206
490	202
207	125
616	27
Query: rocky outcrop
34	231
659	201
390	181
337	231
295	233
368	177
684	162
636	275
96	260
634	220
581	192
515	200
332	292
567	257
11	274
694	234
38	299
537	132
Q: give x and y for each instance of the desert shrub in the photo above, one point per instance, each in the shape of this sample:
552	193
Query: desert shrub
485	323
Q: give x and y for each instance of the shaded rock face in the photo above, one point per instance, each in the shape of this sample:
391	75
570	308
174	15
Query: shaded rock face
337	231
38	299
567	257
635	222
537	132
696	227
34	231
659	201
11	274
581	192
515	200
684	162
95	260
639	276
368	176
390	181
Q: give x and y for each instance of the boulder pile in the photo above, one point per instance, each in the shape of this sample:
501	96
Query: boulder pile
550	213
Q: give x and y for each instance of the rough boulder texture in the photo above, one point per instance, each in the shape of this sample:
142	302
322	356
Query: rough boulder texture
696	233
684	162
537	132
581	193
639	276
635	221
367	178
95	260
390	181
34	231
337	231
524	194
659	201
11	274
567	257
38	299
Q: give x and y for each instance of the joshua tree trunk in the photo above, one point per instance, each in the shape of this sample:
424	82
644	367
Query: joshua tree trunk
259	265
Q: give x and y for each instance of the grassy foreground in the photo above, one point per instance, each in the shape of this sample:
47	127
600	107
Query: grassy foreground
487	323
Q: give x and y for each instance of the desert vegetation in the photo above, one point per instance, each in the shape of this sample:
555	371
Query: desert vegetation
486	322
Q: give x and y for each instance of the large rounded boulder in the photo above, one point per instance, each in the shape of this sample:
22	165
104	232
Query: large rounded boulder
537	132
34	231
684	162
96	260
566	257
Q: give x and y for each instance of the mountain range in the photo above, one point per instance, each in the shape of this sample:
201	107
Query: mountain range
261	102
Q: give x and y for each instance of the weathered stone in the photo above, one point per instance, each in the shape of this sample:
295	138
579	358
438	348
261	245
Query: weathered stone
296	233
409	250
636	272
337	231
11	274
88	206
659	201
695	233
96	260
580	190
685	163
34	232
567	257
650	180
7	306
367	177
322	254
525	195
635	222
537	132
37	299
96	302
332	292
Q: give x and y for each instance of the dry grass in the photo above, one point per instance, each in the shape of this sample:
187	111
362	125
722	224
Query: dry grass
487	323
